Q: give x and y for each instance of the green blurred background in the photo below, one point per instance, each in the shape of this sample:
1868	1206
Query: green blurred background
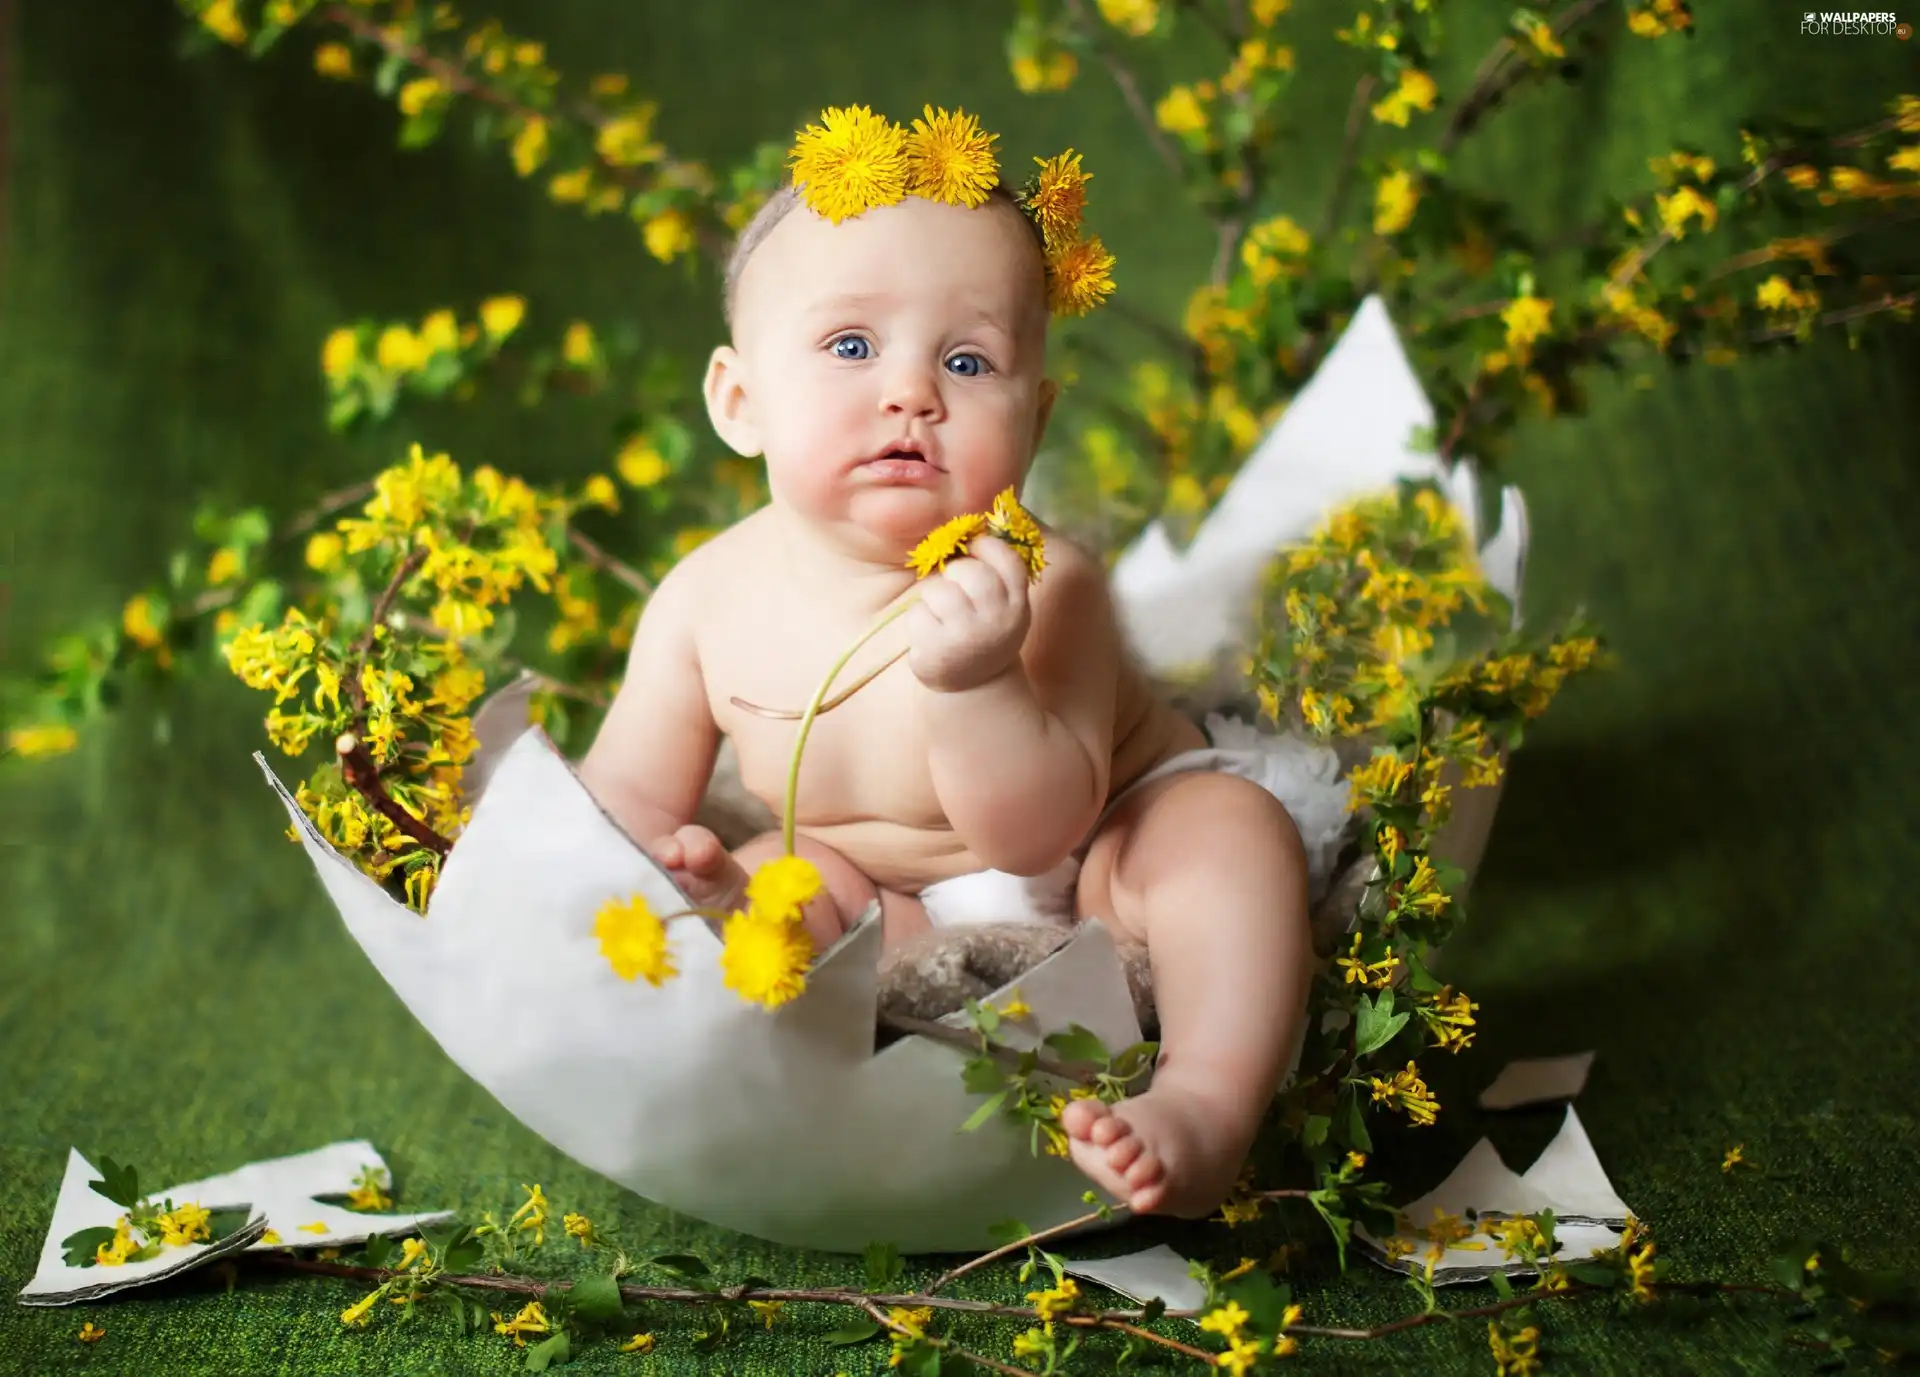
1701	869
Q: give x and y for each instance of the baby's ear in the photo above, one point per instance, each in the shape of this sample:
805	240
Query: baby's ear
726	393
1049	393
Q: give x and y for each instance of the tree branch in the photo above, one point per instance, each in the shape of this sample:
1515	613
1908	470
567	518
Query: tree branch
1129	88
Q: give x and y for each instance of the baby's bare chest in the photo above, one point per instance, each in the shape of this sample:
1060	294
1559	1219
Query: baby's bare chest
866	760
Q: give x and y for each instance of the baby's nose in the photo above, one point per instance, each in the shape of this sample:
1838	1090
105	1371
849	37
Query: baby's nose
911	391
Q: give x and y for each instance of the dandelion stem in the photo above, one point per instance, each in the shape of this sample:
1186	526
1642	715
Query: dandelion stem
788	715
813	711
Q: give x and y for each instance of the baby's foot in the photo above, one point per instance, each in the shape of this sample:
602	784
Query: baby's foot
1167	1151
705	870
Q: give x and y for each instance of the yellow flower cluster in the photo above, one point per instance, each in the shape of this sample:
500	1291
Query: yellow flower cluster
399	348
1517	1354
1659	18
135	1241
1415	91
855	160
1405	1090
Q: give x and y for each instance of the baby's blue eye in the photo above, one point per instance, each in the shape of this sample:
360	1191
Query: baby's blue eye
842	346
978	365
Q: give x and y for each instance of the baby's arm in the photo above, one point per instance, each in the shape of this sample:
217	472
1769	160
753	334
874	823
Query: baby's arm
653	758
1020	763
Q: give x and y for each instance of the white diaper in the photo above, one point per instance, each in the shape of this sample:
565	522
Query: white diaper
1302	774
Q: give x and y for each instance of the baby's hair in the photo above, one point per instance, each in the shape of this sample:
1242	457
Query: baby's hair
775	210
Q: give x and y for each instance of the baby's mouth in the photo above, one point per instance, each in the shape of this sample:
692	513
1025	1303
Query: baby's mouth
902	453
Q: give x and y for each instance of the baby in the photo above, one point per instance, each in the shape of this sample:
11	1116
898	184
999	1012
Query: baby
890	368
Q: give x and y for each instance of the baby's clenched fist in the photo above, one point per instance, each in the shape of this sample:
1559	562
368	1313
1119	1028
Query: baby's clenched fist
971	619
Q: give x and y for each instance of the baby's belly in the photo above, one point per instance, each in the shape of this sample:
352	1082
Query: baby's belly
903	859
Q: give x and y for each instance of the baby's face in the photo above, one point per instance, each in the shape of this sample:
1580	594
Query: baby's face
916	328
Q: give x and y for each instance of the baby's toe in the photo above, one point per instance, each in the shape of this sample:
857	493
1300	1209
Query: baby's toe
1145	1170
1123	1154
1086	1120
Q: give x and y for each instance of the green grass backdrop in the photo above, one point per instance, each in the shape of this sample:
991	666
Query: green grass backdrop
1702	870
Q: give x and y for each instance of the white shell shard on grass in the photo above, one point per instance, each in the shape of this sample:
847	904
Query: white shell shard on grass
786	1124
1566	1178
281	1194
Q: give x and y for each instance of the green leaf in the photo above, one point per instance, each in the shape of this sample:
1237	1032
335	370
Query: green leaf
79	1248
1357	1136
1153	1310
1501	1286
857	1332
1076	1043
1263	1298
549	1353
120	1184
987	1109
883	1266
1314	1132
1593	1274
376	1251
982	1076
1378	1025
1008	1231
386	80
596	1298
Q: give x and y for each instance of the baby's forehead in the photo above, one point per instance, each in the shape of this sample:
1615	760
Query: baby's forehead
979	264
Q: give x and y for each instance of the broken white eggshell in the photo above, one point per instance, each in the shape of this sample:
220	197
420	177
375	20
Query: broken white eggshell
786	1124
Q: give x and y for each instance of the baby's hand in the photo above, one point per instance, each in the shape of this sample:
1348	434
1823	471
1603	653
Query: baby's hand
971	619
702	867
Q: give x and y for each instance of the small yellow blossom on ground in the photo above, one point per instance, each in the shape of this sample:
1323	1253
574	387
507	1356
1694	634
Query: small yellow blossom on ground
639	1343
1736	1157
90	1333
531	1320
1055	1300
767	1310
360	1311
532	1214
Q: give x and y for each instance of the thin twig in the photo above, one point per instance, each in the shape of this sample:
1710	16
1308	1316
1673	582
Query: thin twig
600	559
1349	153
1755	258
1636	262
1130	89
1489	85
887	1322
954	1274
1841	317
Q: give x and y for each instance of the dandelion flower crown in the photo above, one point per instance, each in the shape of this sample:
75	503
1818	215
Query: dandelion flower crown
854	160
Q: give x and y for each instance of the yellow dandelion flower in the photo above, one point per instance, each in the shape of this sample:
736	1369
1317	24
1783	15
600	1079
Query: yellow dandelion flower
634	940
950	159
945	543
764	961
1079	277
851	162
1015	525
783	887
1057	198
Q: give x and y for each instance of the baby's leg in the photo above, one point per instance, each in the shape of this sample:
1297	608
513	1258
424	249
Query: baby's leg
1208	871
839	906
